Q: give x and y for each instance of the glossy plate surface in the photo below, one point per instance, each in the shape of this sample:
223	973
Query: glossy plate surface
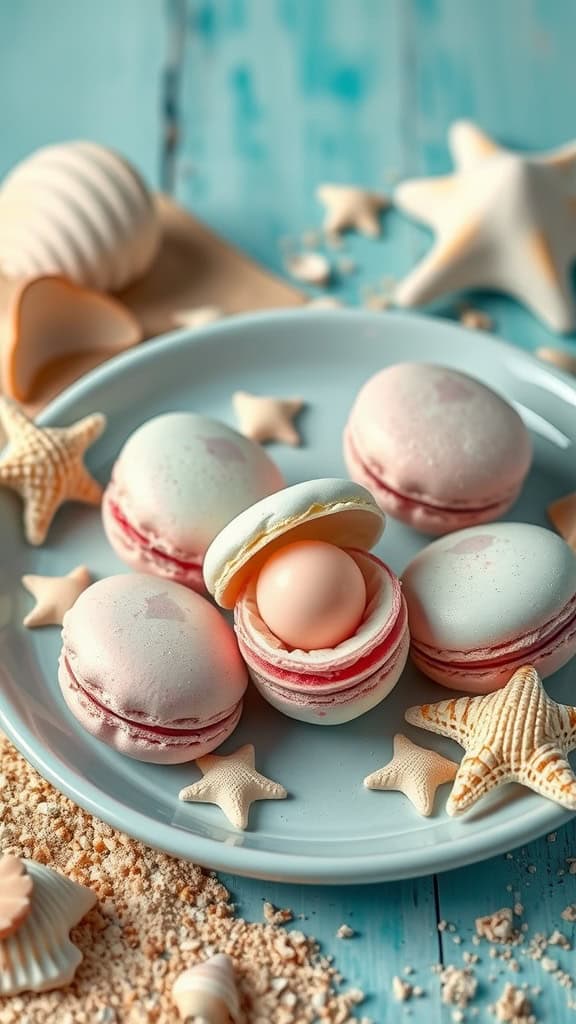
331	829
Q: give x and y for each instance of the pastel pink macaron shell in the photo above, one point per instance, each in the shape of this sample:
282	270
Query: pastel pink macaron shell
437	448
152	668
179	479
333	685
484	601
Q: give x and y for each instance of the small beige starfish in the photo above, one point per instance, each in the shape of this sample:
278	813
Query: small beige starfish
54	595
267	419
414	771
350	207
44	465
232	782
517	734
562	515
558	357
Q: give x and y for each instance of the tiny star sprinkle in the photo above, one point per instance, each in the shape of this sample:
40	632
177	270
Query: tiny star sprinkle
54	595
44	465
351	208
562	515
268	419
414	771
517	734
232	782
197	316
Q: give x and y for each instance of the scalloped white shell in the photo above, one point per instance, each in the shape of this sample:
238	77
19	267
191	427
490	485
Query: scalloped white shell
208	992
39	956
80	210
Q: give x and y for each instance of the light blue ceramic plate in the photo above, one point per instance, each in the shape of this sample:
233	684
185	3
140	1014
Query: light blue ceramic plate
331	829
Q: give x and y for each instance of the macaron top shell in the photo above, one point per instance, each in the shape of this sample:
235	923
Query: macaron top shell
439	436
488	585
153	651
333	510
181	477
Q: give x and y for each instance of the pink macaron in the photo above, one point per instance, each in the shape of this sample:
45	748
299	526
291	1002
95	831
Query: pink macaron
483	602
151	668
177	481
327	685
438	449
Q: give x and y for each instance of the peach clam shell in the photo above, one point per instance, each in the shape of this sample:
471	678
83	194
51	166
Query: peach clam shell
53	327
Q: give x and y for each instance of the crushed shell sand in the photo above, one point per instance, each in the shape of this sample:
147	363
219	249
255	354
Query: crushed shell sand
155	917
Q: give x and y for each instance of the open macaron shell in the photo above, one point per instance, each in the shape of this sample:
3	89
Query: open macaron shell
331	685
328	686
438	449
483	602
178	480
151	668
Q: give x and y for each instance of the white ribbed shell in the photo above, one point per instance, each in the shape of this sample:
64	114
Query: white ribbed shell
39	955
80	210
207	992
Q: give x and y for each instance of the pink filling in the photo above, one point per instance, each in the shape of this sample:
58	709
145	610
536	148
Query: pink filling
465	510
131	533
154	730
344	696
364	667
539	647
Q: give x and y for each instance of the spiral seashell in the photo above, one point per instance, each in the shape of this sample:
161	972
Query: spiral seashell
79	210
39	955
207	993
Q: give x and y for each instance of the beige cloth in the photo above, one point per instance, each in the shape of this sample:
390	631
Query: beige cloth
195	268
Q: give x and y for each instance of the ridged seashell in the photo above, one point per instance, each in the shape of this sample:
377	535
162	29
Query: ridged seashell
516	734
39	956
15	894
207	993
80	210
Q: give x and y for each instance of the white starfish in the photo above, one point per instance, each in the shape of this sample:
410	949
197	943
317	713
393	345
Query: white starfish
503	220
414	771
54	595
232	782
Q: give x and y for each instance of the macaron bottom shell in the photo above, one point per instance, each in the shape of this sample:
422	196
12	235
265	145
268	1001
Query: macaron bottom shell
484	672
433	520
336	685
335	708
145	553
151	743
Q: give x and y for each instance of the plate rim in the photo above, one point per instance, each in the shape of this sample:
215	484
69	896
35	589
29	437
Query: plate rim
262	864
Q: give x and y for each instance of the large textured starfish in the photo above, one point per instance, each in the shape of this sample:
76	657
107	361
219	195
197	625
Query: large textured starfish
54	595
517	734
44	465
503	220
414	771
232	782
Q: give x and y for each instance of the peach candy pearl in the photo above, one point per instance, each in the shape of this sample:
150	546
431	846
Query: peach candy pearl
311	595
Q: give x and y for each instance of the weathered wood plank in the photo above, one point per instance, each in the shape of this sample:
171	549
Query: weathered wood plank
74	69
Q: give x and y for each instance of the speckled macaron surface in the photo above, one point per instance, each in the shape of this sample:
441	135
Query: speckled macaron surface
178	480
439	449
151	668
480	598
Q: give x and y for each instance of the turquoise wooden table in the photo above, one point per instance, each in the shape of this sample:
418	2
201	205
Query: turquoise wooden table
240	108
